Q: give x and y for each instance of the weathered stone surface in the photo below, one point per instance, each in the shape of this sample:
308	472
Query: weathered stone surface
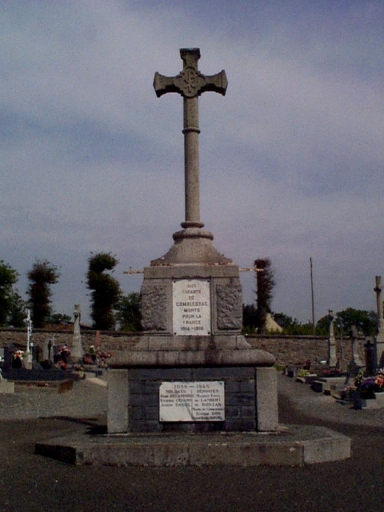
7	387
154	305
118	392
179	358
296	446
267	408
225	297
163	342
192	246
229	302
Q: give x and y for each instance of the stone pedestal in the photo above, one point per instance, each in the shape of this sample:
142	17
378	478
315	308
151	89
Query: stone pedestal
191	299
192	289
192	317
249	379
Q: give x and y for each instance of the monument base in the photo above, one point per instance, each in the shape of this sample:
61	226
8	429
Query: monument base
293	445
247	376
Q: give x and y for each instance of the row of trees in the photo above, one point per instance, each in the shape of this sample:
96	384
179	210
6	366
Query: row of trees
254	317
110	308
365	321
108	304
12	306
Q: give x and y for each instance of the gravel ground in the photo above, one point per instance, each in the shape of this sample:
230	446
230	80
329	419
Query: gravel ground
88	398
326	408
29	482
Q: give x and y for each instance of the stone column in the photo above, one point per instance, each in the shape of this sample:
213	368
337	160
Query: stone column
28	361
355	357
118	396
191	163
77	349
379	338
332	359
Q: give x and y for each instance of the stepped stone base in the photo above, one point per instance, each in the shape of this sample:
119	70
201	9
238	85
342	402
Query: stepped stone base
293	445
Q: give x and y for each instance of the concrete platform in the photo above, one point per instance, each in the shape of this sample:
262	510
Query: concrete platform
7	387
294	445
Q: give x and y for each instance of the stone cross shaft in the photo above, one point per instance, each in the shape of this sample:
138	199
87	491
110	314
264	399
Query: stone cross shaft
380	320
190	83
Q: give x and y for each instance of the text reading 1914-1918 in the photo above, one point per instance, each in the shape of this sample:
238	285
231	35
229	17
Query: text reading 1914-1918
191	307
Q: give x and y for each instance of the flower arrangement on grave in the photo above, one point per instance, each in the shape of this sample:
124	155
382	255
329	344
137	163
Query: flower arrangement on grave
97	357
303	373
368	386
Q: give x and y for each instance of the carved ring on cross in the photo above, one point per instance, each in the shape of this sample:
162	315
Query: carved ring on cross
189	82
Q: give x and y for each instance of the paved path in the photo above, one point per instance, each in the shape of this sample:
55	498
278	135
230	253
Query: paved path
32	483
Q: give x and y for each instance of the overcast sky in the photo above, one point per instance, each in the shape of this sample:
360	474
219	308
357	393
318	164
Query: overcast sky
291	159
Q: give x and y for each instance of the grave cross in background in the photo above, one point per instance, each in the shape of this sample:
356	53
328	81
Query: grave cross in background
190	83
380	323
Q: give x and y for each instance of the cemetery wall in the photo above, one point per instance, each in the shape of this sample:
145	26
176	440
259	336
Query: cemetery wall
288	350
296	350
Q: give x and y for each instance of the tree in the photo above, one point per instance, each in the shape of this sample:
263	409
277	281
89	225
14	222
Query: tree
284	320
11	303
265	283
17	312
365	321
106	290
59	319
128	312
42	275
322	325
249	318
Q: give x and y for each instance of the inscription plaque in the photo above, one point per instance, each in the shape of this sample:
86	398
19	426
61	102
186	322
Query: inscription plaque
191	307
192	401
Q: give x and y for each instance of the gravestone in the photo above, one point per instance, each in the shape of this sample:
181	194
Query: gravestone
332	359
28	361
7	361
192	370
379	338
355	356
5	386
370	358
77	349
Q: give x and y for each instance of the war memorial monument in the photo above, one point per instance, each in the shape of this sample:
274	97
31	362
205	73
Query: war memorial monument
192	391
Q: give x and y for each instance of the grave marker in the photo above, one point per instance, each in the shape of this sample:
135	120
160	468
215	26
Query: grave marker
379	338
332	359
77	348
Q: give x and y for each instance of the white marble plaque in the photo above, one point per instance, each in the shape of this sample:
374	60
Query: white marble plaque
192	401
191	307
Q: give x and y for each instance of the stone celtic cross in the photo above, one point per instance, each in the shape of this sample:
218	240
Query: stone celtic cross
190	83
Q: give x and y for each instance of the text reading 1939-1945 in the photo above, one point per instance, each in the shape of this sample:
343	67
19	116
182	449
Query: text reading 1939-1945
192	401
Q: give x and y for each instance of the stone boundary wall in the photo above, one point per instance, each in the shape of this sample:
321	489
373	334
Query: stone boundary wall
288	350
296	350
